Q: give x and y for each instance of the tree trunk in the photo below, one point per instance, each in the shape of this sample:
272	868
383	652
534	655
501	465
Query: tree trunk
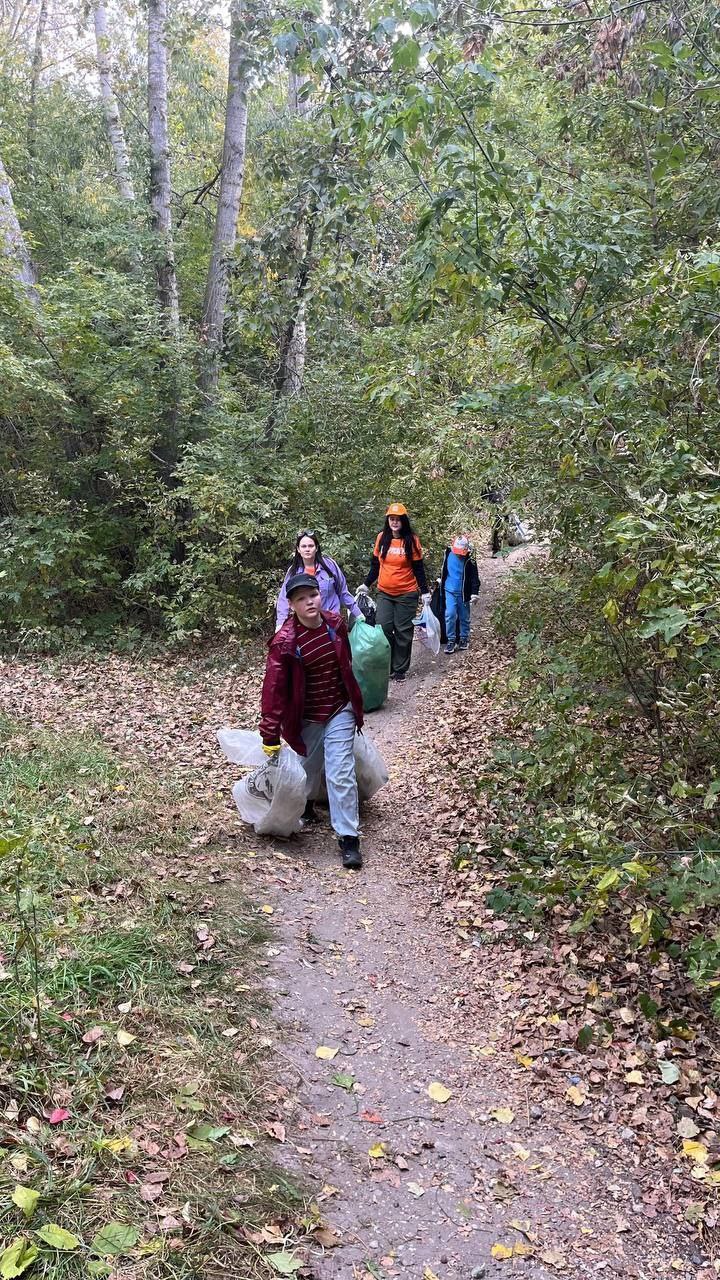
35	75
113	123
291	367
231	188
13	248
160	188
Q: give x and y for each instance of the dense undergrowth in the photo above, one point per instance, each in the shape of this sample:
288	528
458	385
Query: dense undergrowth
590	802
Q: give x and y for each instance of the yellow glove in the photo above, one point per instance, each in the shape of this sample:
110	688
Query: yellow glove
272	752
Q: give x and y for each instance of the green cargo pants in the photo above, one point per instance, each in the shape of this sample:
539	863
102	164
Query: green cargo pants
395	615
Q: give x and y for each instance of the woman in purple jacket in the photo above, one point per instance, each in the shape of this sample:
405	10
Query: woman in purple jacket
330	578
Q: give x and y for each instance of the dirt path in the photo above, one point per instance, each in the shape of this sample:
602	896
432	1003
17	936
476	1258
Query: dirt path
504	1177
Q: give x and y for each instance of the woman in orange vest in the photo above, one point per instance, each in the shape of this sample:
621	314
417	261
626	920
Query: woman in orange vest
397	567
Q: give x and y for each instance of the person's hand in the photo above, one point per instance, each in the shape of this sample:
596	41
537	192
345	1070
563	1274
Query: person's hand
426	597
362	590
272	752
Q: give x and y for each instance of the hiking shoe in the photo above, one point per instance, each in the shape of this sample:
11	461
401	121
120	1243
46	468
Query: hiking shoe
350	850
397	675
464	644
450	648
309	815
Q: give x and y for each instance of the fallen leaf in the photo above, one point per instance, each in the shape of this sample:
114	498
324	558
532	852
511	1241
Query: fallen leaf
553	1258
93	1035
276	1130
58	1238
576	1096
501	1252
286	1264
327	1237
150	1191
378	1151
371	1117
26	1199
687	1128
115	1239
56	1117
635	1077
126	1005
326	1053
415	1189
695	1151
115	1093
439	1092
503	1115
267	910
124	1038
19	1255
669	1071
524	1060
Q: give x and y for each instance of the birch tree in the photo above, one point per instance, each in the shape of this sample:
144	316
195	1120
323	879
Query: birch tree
231	188
160	188
13	248
293	343
113	121
35	74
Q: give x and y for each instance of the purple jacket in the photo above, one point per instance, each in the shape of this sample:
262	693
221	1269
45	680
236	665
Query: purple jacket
334	592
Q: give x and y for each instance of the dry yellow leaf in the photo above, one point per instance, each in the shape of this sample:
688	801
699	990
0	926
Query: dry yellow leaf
522	1250
503	1115
554	1020
576	1096
487	1051
501	1252
429	1274
124	1038
438	1092
366	1021
523	1059
325	1052
267	910
521	1152
696	1151
378	1151
593	989
634	1077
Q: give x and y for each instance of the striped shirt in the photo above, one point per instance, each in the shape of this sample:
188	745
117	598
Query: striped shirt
325	692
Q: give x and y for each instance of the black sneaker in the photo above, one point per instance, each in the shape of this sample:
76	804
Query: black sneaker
350	850
309	815
397	675
464	644
451	647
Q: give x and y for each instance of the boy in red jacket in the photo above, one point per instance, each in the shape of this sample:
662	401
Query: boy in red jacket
311	698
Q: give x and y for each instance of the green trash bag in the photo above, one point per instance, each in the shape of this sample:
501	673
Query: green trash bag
371	662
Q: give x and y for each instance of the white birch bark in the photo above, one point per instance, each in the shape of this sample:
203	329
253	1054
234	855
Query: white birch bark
13	248
160	187
113	122
293	345
231	187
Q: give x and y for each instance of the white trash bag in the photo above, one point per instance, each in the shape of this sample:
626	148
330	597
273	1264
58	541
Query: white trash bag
271	798
370	771
519	532
428	629
370	767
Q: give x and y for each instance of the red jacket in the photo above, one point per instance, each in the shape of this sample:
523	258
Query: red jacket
283	691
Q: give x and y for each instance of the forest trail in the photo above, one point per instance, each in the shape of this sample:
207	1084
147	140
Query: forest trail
503	1177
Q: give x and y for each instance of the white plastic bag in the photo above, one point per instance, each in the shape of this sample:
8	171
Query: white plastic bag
519	532
370	767
271	798
370	770
428	629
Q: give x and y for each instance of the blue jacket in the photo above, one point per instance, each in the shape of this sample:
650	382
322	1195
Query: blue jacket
334	592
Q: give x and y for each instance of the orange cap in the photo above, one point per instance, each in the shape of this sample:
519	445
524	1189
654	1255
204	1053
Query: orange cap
396	509
461	545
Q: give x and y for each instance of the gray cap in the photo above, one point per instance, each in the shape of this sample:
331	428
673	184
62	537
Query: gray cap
299	580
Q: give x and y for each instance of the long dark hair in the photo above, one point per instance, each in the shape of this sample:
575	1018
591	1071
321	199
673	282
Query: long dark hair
297	563
407	533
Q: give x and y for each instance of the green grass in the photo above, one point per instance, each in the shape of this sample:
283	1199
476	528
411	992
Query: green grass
91	938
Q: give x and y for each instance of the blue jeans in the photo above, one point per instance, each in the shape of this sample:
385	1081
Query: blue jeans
456	607
331	745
